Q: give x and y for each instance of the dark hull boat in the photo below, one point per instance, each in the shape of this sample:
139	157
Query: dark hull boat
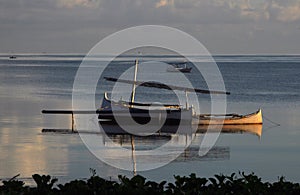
112	111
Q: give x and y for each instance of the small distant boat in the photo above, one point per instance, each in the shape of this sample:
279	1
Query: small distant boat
231	119
12	57
177	68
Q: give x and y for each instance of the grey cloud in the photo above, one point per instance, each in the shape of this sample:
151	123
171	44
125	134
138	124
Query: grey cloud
75	25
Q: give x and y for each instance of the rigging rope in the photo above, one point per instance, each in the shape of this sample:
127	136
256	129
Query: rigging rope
276	124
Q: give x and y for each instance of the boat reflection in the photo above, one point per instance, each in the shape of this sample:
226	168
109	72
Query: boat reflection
255	129
186	146
176	138
178	143
154	141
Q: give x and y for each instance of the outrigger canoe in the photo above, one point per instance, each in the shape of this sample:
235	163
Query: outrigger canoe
175	113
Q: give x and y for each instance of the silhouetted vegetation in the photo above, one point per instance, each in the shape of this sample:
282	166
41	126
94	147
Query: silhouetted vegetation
219	184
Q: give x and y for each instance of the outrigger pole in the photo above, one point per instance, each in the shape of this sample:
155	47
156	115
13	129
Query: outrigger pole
168	87
161	86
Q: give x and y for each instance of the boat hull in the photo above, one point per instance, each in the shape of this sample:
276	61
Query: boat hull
253	118
111	112
143	116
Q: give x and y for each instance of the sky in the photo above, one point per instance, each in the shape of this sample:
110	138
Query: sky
222	26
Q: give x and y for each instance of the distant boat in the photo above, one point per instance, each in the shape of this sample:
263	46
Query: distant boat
231	119
178	67
12	57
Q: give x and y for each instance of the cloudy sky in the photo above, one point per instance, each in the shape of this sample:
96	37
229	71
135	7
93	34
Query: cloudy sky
223	26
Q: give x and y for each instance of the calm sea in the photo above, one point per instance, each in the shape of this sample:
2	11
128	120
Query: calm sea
33	82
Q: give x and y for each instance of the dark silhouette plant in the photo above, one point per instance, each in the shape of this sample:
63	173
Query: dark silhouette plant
13	186
219	184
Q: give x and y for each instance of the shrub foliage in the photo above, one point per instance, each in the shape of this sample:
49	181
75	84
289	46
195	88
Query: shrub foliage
219	184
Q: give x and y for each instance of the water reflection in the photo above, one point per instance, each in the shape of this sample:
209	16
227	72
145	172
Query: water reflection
183	144
150	142
255	129
140	153
23	150
178	144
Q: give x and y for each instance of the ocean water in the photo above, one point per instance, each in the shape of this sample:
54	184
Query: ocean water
33	82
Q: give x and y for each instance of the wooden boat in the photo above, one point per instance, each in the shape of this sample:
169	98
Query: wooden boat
140	112
175	113
231	119
177	68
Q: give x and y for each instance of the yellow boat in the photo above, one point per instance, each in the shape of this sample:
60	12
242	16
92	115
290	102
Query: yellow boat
231	119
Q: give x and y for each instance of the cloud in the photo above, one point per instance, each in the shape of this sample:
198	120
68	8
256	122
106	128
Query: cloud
74	3
275	10
80	23
289	13
251	9
215	11
163	3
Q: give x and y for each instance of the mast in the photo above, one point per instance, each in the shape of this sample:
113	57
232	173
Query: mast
134	82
